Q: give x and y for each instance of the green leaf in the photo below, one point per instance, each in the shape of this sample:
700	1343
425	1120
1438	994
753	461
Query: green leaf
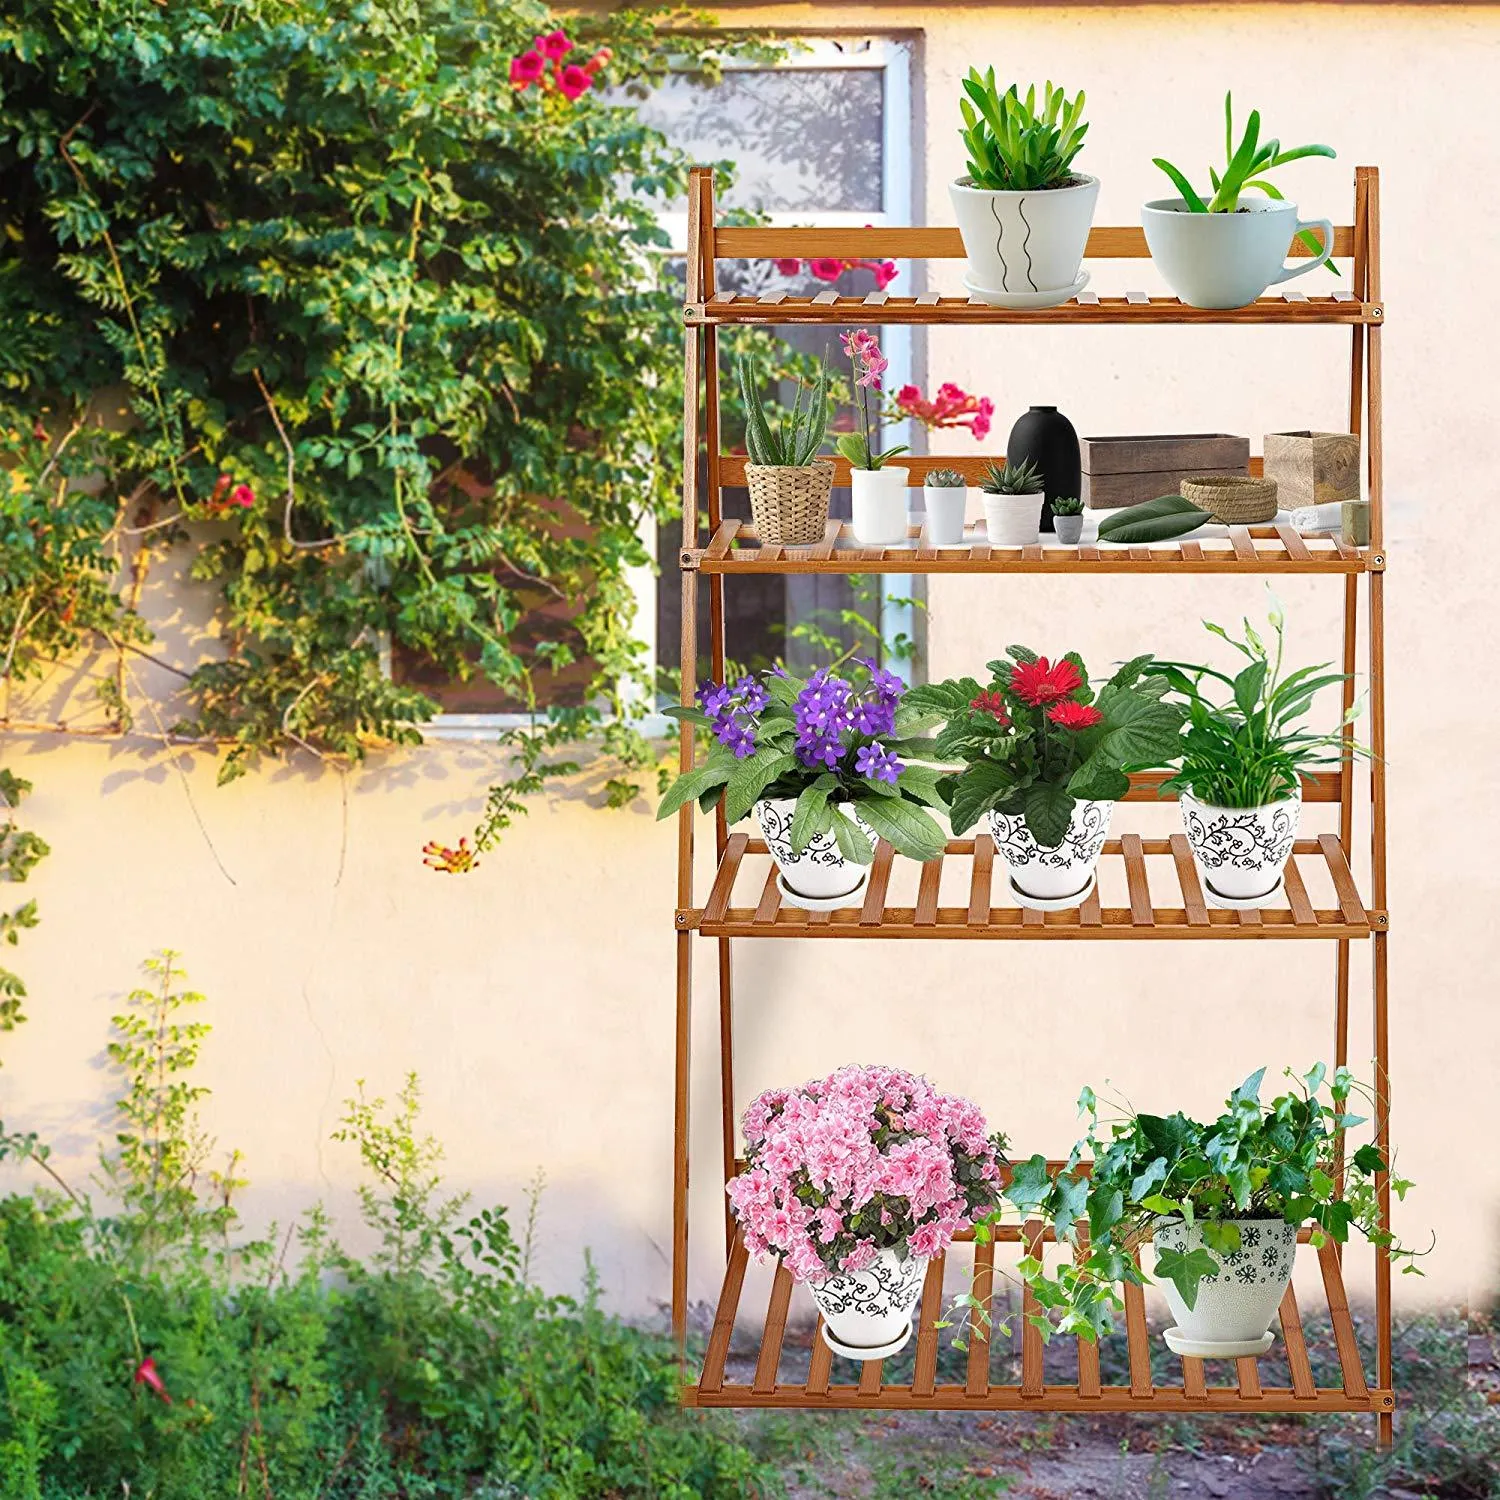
811	816
1142	731
1030	1183
854	843
981	786
908	829
1185	1270
751	776
693	784
1048	809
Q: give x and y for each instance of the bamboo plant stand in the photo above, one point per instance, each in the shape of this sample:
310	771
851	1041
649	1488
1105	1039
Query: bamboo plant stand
957	895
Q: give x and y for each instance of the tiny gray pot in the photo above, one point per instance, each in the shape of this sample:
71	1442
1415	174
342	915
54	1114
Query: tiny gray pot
1069	529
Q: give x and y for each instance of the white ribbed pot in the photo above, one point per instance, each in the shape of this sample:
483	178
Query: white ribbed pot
1231	1314
879	504
946	505
867	1315
1241	851
1063	873
1229	259
1013	520
819	872
1020	244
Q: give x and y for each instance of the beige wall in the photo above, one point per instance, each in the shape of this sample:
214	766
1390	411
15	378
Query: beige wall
535	997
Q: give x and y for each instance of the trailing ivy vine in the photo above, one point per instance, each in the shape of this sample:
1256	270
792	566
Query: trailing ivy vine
320	289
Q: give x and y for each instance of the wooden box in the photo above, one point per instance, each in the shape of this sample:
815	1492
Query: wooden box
1312	468
1127	470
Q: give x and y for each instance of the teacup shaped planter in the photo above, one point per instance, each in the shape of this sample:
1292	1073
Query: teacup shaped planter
867	1314
1228	259
1025	248
1232	1311
1241	852
1053	878
817	877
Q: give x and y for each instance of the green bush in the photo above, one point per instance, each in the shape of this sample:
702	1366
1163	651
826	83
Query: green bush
147	1350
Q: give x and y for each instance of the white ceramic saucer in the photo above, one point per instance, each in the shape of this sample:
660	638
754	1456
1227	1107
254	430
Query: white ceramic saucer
822	903
1054	903
872	1351
1023	300
1179	1343
1242	903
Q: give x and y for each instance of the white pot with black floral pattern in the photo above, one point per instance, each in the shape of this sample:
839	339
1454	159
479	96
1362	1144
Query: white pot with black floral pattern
1231	1314
867	1314
1241	851
819	873
1056	876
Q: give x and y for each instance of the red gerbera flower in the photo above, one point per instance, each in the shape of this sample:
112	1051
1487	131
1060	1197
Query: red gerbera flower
1038	682
993	704
1071	715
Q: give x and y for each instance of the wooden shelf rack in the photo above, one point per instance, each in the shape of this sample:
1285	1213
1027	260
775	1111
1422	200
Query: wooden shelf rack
1148	887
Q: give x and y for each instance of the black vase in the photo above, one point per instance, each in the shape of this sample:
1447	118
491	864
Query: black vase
1045	437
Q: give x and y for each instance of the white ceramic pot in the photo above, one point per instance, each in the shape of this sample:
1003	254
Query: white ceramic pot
1227	260
1013	520
1025	243
879	504
819	872
1231	1314
946	507
1069	529
1241	851
867	1315
1057	874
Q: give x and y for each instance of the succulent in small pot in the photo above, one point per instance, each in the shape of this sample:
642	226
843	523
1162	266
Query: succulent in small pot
1223	1200
856	1181
1013	499
820	762
1022	210
789	485
1046	758
1216	249
945	497
877	487
1242	758
1067	519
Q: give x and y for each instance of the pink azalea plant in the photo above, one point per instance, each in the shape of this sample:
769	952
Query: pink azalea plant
866	1159
545	63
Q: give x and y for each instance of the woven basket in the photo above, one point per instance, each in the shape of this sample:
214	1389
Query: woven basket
1234	499
790	505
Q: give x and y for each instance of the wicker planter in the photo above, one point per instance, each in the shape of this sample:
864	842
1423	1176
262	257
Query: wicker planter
1234	499
789	506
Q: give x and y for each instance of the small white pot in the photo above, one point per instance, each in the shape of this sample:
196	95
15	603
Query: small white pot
1227	260
1013	520
867	1315
1231	1314
1059	873
946	507
1024	243
819	872
1241	851
879	504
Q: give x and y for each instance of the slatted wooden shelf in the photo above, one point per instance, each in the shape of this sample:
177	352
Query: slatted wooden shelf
829	1381
735	548
1187	916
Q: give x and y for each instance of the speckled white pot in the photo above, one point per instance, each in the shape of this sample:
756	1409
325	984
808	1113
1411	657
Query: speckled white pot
819	871
1050	874
871	1309
1236	1305
1241	851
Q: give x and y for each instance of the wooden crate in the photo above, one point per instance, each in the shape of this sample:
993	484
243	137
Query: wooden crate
1312	468
1128	470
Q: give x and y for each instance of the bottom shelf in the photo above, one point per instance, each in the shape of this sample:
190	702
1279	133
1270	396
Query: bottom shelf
826	1381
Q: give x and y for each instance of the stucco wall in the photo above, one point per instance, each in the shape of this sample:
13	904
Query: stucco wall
535	997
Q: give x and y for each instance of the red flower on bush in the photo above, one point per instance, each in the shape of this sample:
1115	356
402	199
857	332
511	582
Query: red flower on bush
1071	715
826	268
572	81
952	406
789	265
145	1374
526	69
243	496
1040	681
554	45
992	704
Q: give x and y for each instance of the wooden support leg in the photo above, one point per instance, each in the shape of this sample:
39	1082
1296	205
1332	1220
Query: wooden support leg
726	1074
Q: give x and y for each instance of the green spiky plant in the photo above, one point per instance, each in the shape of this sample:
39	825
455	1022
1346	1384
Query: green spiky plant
1024	478
1012	148
794	440
1246	165
1067	505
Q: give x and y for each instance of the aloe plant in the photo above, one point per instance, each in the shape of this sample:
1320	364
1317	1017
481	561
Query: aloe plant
1245	167
1011	147
797	435
1024	478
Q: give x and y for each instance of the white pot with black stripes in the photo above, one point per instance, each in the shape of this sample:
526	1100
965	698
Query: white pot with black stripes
1025	247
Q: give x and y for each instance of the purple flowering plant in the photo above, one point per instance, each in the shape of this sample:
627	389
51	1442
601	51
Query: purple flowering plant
835	743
